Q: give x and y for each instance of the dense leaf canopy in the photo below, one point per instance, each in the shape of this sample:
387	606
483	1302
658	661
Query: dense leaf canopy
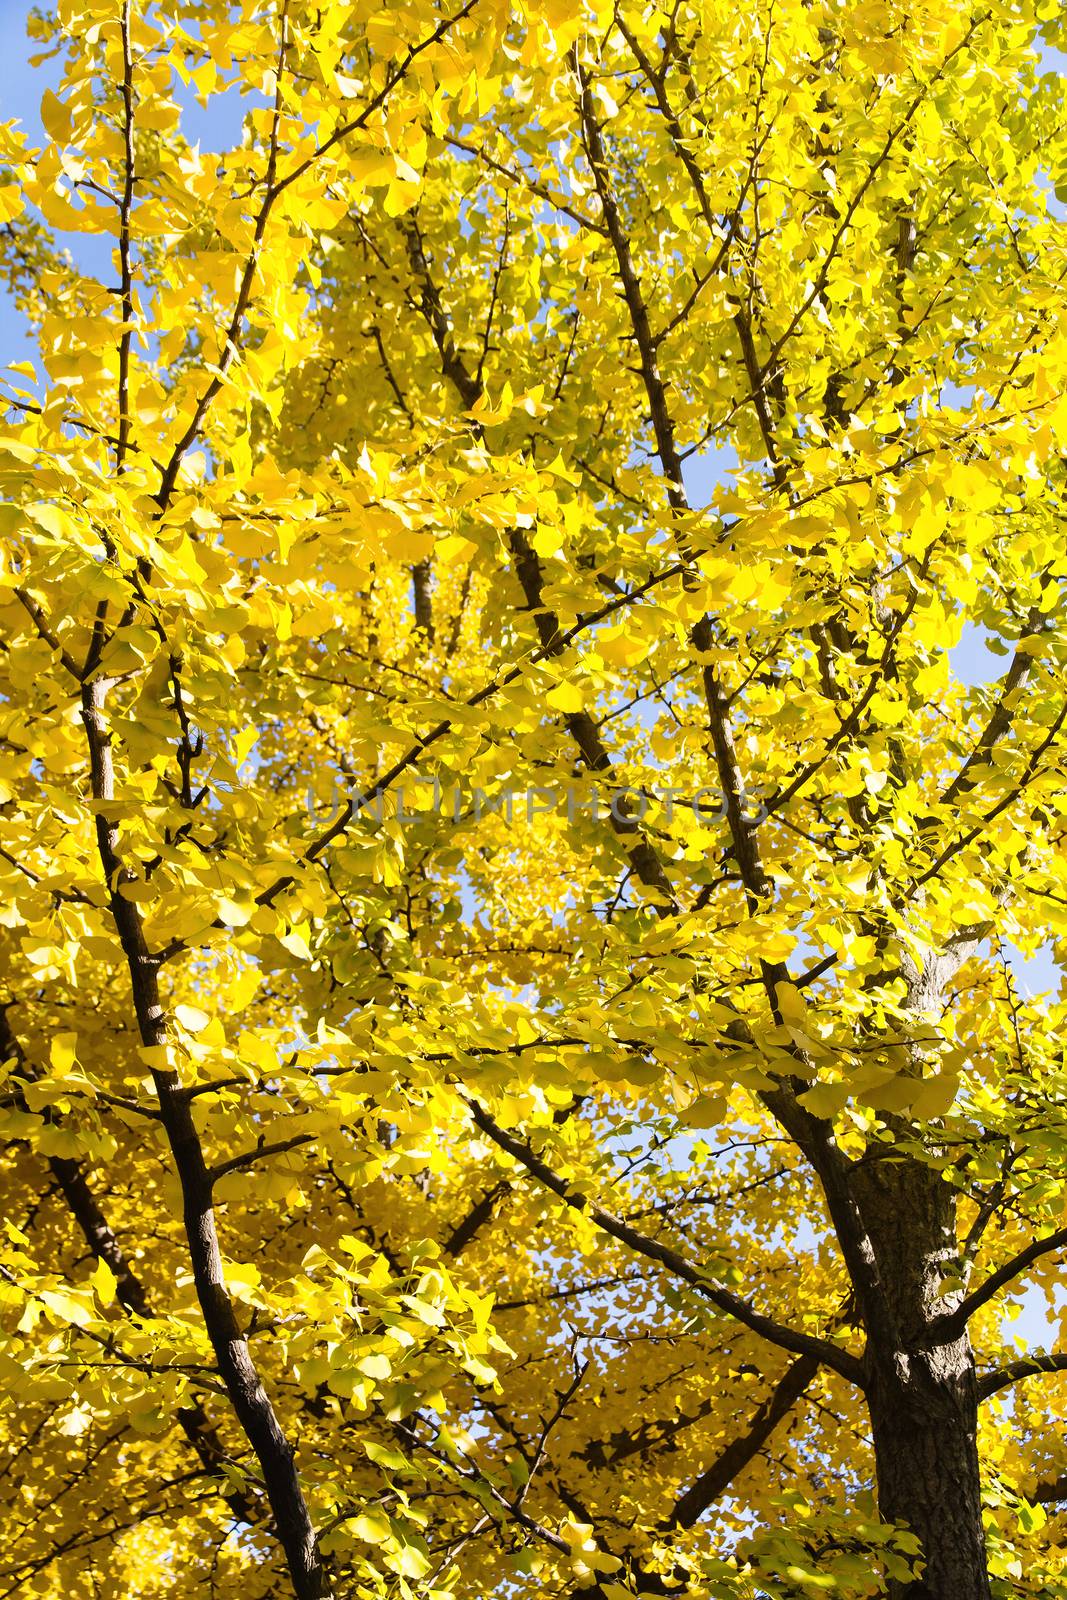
510	922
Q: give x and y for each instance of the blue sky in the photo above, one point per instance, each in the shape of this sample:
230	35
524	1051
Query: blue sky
20	96
21	88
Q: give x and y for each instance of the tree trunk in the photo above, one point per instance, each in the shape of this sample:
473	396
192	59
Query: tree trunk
923	1396
251	1404
924	1418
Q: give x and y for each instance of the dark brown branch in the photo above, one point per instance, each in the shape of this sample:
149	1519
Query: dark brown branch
262	1152
515	175
850	724
129	1290
251	1404
1051	1492
392	78
1031	1366
423	598
125	270
950	1327
1015	678
813	1136
654	1250
714	1481
475	1220
40	622
991	815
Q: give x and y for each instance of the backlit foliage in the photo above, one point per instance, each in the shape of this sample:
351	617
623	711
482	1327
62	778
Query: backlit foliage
549	401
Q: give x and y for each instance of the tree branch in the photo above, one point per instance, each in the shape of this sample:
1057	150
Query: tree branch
129	1290
947	1328
476	1218
714	1481
1050	1492
236	1367
842	1362
1016	677
262	1152
1031	1366
580	725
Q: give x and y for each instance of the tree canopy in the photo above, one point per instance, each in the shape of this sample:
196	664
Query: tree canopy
515	1076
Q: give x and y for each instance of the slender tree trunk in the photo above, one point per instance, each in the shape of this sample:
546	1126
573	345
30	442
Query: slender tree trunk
251	1404
923	1397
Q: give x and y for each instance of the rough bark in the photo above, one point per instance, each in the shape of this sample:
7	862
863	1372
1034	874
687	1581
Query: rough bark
423	598
924	1419
923	1395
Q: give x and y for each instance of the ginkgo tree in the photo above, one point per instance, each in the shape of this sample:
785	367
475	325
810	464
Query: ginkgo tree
516	1077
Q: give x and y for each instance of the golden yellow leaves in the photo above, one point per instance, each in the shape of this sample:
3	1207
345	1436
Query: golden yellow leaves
377	168
566	697
622	646
10	202
63	1050
490	412
900	1094
267	616
12	174
556	25
57	117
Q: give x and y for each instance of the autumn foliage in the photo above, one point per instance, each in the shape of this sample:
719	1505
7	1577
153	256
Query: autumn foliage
515	1076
